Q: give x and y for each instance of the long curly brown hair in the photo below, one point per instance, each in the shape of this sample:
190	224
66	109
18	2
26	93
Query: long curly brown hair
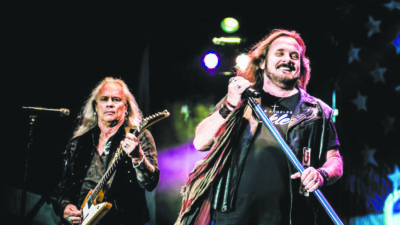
258	53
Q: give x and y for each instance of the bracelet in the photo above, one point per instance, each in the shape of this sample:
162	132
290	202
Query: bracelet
324	174
224	111
229	105
140	163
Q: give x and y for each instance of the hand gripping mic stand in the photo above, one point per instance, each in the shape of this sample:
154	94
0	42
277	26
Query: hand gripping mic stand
275	133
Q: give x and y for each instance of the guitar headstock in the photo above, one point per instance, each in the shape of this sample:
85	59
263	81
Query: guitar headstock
150	120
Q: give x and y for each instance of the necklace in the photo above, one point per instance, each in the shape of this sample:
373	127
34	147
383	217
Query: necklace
105	143
275	105
106	148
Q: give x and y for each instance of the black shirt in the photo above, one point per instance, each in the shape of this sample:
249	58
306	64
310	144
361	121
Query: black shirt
263	194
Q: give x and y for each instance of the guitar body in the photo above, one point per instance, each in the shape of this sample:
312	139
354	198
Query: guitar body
93	211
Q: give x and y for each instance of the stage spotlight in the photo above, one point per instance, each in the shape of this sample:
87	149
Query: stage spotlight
211	60
242	60
229	25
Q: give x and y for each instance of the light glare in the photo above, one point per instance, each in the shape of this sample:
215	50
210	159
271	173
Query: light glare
242	60
211	60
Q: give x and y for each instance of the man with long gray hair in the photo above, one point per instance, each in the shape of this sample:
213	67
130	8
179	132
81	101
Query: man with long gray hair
104	134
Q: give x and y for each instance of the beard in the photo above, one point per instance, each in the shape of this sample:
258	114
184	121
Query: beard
283	82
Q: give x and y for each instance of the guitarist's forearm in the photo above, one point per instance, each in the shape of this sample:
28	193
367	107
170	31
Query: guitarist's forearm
146	178
143	165
148	165
147	172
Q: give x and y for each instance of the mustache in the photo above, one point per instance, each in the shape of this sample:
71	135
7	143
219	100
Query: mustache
289	65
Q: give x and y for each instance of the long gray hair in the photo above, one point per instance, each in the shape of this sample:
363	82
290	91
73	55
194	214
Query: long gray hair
89	118
259	51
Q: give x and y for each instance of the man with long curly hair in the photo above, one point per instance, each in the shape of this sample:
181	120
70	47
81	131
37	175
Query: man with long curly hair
246	178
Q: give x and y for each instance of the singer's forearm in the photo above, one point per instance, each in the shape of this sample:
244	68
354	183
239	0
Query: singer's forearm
333	166
206	130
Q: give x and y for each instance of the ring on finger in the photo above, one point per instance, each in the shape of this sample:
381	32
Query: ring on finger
238	86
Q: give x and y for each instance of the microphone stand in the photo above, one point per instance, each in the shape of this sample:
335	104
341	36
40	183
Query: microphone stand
275	133
24	188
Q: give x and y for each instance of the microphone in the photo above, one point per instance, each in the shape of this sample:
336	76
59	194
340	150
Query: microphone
63	111
250	92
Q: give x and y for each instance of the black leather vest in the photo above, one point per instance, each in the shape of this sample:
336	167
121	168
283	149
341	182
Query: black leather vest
307	128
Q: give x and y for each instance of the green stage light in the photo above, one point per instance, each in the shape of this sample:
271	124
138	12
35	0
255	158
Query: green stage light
229	25
226	40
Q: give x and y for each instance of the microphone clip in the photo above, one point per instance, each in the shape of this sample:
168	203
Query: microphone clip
250	92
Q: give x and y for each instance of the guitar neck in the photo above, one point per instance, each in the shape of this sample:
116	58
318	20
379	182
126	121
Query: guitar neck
110	171
147	122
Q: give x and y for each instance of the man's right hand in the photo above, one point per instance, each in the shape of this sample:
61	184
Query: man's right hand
72	214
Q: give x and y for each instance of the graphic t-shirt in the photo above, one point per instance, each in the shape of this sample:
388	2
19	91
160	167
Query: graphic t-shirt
263	195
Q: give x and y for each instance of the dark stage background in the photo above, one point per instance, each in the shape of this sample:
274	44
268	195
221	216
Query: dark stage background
55	55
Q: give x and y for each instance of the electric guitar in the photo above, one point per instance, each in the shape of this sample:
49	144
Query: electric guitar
93	209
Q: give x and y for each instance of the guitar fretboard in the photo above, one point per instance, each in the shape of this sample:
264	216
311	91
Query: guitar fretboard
108	174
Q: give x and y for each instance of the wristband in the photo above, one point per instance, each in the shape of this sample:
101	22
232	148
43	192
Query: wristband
229	105
224	111
324	174
140	163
